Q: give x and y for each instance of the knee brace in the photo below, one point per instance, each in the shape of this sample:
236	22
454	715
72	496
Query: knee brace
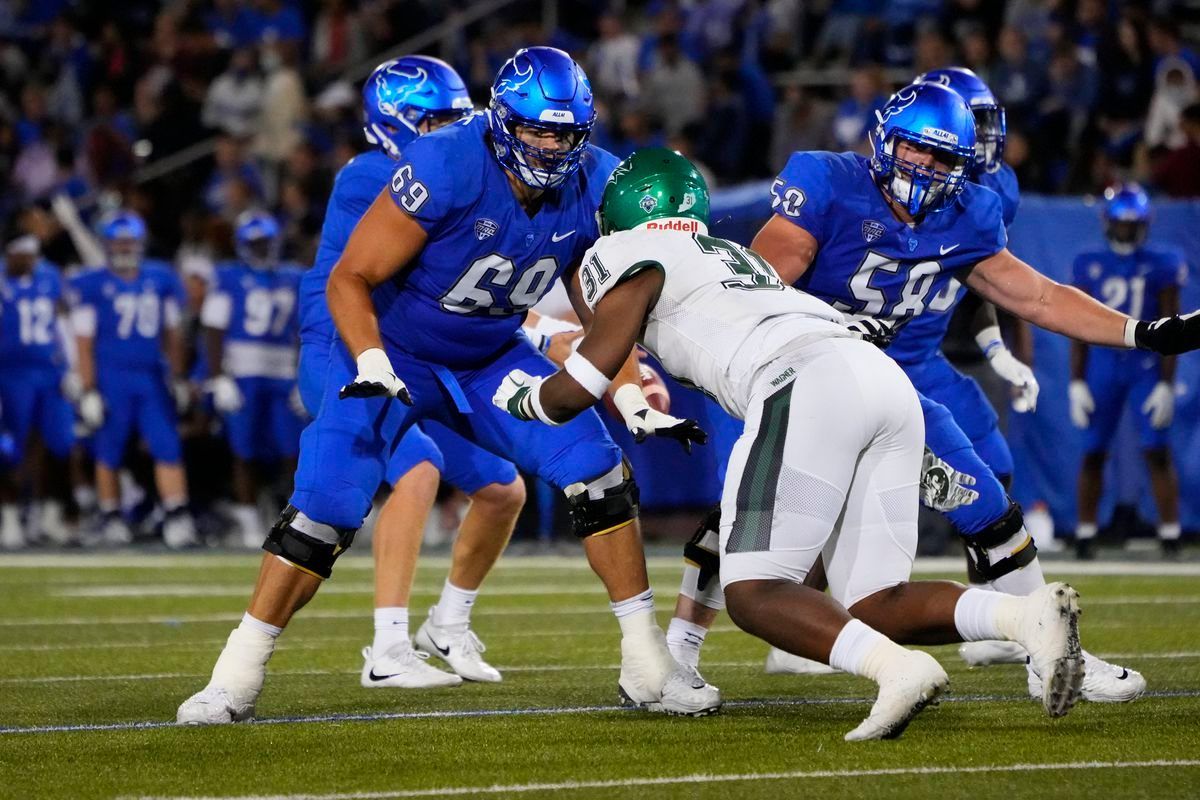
308	546
603	504
994	535
702	563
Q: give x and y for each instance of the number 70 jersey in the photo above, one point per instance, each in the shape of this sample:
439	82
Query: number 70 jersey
869	263
722	314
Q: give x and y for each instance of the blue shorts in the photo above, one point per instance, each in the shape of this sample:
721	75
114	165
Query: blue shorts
137	399
1117	379
32	399
265	428
939	381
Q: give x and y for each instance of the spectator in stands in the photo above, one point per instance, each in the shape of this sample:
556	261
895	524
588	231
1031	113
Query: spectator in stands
856	114
234	99
1175	90
338	39
223	195
674	84
1126	83
1177	172
284	103
276	21
613	59
722	144
838	38
1167	44
1016	81
802	122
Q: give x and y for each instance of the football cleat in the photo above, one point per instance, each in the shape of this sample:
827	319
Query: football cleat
179	531
686	694
116	531
1102	682
911	686
11	535
1049	630
781	662
402	667
213	705
646	663
459	647
983	654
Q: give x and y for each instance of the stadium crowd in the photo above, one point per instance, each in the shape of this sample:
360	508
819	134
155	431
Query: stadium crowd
195	112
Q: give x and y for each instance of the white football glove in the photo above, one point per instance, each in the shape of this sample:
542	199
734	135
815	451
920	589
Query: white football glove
376	378
181	391
1082	404
91	409
71	386
943	488
1008	367
643	421
1160	405
517	395
226	396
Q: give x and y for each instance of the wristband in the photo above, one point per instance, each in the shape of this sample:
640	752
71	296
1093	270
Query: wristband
586	375
630	401
535	405
989	340
1131	333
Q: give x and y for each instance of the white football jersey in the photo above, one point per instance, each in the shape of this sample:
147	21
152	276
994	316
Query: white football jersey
723	312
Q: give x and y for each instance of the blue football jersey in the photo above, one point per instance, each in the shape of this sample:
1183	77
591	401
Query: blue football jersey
354	189
28	318
486	261
130	314
869	263
1130	284
257	310
923	336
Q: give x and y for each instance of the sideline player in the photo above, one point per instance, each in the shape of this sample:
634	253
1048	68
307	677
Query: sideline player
829	462
126	317
478	219
1140	281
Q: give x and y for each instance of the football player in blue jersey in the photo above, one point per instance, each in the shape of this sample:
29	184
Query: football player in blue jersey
34	355
251	335
477	221
887	244
126	316
1137	280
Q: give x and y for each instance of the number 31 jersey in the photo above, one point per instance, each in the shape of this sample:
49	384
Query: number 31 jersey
486	261
869	263
722	313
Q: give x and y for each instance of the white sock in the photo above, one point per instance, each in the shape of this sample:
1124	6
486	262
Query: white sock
635	614
862	650
1026	580
1086	530
976	614
254	623
454	606
684	640
1169	531
391	628
241	666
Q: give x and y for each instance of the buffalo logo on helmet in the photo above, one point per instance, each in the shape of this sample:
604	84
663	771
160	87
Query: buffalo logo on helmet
390	105
872	230
515	82
648	203
900	101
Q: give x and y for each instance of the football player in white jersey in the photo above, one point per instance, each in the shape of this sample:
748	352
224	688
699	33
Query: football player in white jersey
829	462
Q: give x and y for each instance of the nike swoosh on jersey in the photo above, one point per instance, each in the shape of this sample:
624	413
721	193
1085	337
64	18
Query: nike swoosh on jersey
943	249
554	237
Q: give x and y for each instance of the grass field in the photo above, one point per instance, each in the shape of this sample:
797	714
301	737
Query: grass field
97	652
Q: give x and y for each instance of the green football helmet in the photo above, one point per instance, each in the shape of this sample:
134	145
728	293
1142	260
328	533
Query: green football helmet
654	183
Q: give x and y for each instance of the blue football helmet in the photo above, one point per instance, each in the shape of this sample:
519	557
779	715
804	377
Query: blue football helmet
1126	217
403	93
927	116
124	235
541	87
257	239
991	126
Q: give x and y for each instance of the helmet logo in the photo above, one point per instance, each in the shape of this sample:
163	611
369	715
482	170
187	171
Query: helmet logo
689	200
514	82
872	230
390	105
648	203
485	228
902	100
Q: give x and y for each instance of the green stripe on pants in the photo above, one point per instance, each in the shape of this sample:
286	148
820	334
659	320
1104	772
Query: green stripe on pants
760	478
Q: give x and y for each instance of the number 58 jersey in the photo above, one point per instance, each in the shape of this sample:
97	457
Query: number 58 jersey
868	262
722	314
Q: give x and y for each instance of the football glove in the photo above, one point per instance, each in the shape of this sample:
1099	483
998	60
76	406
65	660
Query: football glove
878	332
643	421
1168	336
1008	367
226	396
517	394
1160	405
376	378
1082	404
943	488
91	409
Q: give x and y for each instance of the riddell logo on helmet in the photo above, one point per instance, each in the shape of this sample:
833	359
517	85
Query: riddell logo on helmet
685	225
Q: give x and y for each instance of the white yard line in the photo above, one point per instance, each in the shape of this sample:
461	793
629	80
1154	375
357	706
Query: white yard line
360	587
700	778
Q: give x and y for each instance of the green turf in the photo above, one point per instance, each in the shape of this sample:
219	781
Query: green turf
142	638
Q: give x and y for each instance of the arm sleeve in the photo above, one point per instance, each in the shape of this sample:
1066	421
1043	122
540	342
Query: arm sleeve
801	193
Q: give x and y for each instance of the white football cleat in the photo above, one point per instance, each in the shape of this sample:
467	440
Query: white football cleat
687	694
50	523
459	647
213	705
646	663
402	667
11	535
781	662
1049	630
913	684
179	531
983	654
116	531
1102	682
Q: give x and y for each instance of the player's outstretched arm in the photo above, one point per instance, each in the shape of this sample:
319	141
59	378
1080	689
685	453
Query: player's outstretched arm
383	243
1018	288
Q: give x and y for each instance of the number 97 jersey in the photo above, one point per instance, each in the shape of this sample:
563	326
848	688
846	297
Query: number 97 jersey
722	314
868	262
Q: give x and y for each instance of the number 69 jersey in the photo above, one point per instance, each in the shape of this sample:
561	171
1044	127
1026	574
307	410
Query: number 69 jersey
869	263
723	313
486	261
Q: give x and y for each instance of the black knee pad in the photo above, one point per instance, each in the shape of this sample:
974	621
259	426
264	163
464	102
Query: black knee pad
999	532
699	552
303	551
618	506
